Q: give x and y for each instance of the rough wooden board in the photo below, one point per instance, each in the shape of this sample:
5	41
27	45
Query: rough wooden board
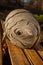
31	54
0	47
16	55
39	47
36	60
39	50
41	54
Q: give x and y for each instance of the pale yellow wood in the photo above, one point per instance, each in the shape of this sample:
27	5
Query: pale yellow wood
39	47
16	55
31	54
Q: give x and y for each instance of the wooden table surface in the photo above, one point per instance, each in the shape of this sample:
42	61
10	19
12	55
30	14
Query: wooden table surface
20	56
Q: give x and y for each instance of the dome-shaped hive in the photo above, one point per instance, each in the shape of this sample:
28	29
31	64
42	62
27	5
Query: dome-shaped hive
22	28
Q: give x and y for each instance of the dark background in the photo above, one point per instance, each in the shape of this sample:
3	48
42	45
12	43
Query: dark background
35	6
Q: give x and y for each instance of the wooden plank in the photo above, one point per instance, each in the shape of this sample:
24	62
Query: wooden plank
0	47
31	54
41	54
39	50
16	55
39	47
36	56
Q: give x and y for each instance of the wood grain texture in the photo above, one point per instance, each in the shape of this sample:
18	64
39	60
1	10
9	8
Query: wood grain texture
36	60
16	55
39	47
39	50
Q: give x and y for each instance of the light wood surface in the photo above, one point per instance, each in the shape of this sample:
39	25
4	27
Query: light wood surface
16	55
25	56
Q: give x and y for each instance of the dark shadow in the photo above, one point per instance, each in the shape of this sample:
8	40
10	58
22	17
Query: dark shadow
6	58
